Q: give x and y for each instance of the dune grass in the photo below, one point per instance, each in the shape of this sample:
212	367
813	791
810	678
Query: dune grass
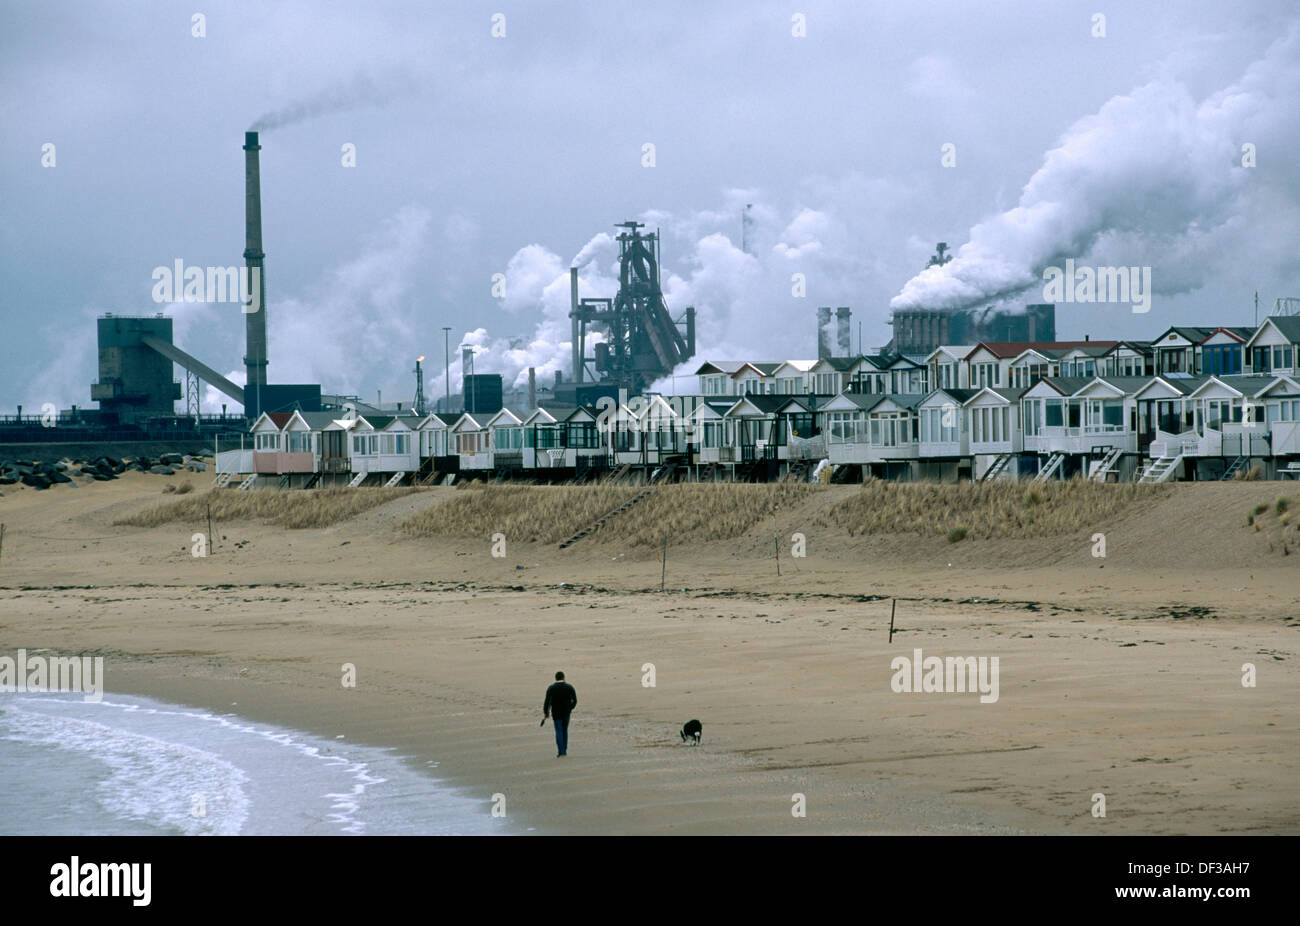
702	512
551	514
296	510
982	511
525	514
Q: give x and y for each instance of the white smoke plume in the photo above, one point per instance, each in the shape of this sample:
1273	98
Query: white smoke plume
745	302
361	90
1154	178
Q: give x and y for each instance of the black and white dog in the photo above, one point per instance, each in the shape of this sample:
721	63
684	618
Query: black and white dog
692	731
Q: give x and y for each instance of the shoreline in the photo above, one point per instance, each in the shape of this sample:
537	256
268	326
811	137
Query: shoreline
474	714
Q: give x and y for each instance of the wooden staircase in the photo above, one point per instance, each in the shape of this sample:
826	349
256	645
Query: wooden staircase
313	482
1050	469
248	483
1235	467
222	480
996	468
1160	469
798	471
358	479
1109	464
644	493
395	479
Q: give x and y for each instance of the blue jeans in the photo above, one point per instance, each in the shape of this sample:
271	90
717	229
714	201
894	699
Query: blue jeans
561	724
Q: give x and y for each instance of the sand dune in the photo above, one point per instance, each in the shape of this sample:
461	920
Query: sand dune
1119	676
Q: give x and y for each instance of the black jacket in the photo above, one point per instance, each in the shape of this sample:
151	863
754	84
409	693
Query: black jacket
561	699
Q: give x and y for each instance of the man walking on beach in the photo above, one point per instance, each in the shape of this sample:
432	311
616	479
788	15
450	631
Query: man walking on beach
560	701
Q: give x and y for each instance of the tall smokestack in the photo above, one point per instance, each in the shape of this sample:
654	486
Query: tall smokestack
532	387
573	315
823	332
843	340
254	258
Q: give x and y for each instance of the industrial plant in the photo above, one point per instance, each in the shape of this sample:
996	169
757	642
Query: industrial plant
975	393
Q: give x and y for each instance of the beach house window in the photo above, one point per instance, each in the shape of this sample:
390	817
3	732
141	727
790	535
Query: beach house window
510	438
266	441
939	425
582	435
1053	413
889	429
1029	414
1285	410
846	427
468	442
988	424
299	441
802	424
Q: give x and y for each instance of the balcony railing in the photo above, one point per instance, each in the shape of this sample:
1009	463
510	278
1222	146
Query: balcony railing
812	448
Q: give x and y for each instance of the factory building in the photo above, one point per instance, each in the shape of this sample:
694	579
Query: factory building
135	381
920	331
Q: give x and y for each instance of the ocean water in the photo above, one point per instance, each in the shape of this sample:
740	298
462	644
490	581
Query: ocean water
134	766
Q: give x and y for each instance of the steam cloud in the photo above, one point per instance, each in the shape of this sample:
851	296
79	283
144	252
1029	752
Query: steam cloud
1153	178
361	90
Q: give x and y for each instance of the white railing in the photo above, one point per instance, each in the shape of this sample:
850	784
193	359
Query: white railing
234	461
1173	445
812	448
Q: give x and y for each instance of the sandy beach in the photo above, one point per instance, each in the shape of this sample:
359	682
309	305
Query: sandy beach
1119	675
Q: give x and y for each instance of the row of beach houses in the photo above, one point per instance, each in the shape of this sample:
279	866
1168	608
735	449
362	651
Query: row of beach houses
1195	403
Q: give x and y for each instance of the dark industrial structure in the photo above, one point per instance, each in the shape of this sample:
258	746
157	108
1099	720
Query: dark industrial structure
482	393
136	353
920	331
839	341
135	381
255	361
643	342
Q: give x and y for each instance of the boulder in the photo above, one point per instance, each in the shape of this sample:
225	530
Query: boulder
171	459
162	470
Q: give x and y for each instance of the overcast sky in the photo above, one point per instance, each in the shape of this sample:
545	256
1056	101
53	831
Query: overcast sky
478	155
